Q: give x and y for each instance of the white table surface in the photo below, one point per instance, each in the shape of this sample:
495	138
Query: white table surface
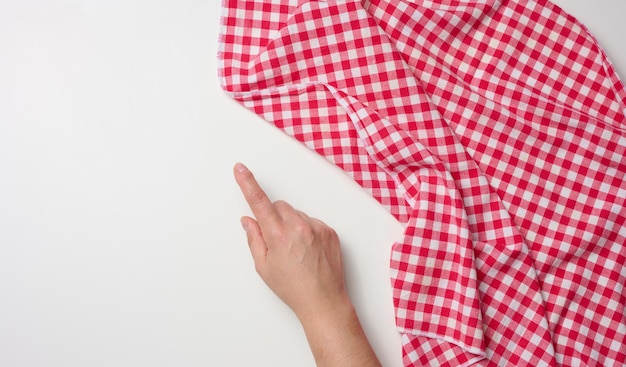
120	242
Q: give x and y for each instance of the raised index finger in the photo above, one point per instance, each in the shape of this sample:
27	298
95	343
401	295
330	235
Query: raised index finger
258	201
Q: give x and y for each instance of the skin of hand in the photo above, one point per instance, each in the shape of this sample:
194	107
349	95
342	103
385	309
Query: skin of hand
299	258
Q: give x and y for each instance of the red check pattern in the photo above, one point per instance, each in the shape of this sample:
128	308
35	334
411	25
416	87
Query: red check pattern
495	130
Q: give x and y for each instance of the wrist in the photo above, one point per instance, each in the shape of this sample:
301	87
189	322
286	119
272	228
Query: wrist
336	336
327	312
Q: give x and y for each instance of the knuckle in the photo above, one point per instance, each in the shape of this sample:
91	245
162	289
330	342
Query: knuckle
256	196
328	233
281	205
304	230
332	233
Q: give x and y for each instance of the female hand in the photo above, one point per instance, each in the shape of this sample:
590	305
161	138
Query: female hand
299	258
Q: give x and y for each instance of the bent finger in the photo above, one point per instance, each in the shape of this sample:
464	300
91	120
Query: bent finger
258	247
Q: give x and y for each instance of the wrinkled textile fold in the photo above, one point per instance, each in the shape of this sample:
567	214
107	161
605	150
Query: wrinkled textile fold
494	130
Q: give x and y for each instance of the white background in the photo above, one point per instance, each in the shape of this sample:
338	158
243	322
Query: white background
120	242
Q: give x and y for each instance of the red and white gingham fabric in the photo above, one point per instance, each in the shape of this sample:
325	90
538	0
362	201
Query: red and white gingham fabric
494	130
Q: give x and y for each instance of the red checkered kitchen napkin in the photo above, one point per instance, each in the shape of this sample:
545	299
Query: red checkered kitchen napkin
494	130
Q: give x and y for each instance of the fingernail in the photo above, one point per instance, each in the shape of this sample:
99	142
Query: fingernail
241	168
244	224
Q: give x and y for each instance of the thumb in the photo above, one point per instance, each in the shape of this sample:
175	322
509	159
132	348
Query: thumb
257	244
